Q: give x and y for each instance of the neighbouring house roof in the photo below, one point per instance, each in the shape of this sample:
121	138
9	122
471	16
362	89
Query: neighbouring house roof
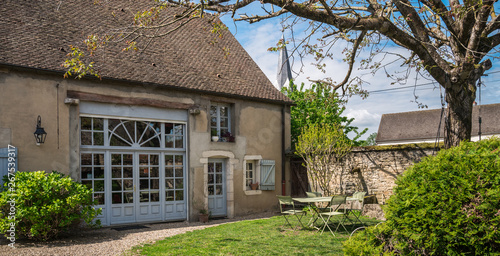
36	34
422	126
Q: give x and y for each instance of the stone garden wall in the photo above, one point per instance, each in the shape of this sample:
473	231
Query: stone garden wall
375	170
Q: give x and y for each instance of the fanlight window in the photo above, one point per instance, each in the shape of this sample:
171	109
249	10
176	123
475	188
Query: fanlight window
134	133
131	133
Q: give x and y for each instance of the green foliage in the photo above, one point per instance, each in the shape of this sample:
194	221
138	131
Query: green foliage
370	141
320	145
46	205
318	105
447	205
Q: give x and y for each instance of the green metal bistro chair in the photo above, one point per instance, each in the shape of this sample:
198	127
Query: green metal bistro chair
357	206
288	201
313	194
335	205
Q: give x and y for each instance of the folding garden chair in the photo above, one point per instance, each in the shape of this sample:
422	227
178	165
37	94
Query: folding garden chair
335	204
288	201
357	205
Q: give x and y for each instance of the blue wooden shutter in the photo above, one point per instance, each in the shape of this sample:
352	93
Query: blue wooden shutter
267	173
4	162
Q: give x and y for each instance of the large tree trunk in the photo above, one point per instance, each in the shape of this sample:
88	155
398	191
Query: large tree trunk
458	124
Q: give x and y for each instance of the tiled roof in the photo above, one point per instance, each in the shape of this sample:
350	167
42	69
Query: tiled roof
37	34
423	125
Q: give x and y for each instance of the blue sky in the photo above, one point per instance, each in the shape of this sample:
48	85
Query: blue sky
258	37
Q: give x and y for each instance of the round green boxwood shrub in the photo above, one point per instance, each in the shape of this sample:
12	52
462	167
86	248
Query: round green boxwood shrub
448	204
44	205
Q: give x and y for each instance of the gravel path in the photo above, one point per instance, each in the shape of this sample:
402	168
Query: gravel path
109	241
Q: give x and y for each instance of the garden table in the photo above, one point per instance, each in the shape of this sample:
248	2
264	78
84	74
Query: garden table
312	201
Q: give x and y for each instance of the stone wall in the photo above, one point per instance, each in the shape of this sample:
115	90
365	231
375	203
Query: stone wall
375	169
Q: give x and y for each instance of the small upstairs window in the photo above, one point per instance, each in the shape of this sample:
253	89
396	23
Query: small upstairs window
220	121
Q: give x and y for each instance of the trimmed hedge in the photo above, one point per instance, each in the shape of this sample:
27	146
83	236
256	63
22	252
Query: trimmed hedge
448	204
45	205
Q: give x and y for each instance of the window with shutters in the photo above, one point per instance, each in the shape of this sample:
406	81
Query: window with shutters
258	171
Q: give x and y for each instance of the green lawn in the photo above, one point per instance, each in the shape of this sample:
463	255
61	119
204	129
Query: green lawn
251	237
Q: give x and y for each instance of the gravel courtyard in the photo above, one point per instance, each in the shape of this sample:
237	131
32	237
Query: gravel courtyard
111	240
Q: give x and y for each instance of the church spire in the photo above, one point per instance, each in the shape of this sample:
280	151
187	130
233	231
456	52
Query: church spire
284	71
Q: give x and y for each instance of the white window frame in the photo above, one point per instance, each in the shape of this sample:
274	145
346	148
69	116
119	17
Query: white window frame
255	159
218	117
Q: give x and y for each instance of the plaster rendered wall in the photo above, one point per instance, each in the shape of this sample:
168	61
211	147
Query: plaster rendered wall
22	99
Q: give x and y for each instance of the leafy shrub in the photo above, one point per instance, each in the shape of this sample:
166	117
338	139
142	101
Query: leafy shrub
46	205
445	205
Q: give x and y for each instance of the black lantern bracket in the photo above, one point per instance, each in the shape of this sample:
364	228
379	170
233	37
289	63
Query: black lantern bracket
40	134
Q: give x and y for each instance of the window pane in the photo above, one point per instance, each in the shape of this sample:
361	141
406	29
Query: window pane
179	142
143	159
99	197
178	160
169	183
155	172
98	173
116	159
179	183
127	159
129	197
218	178
128	184
169	172
169	196
116	172
86	138
179	129
213	110
210	178
86	173
169	128
98	185
155	184
169	160
144	184
152	143
86	123
116	185
213	122
144	172
127	172
224	122
155	197
98	124
224	111
210	190
98	159
116	198
179	195
98	139
86	159
144	197
218	189
154	159
178	172
169	141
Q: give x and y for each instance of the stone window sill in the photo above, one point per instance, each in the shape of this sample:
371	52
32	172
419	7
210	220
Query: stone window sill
253	192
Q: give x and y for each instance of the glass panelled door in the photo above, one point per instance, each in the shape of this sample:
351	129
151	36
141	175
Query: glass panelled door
216	187
137	169
149	187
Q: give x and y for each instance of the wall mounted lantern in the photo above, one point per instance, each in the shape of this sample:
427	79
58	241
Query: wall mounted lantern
40	133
